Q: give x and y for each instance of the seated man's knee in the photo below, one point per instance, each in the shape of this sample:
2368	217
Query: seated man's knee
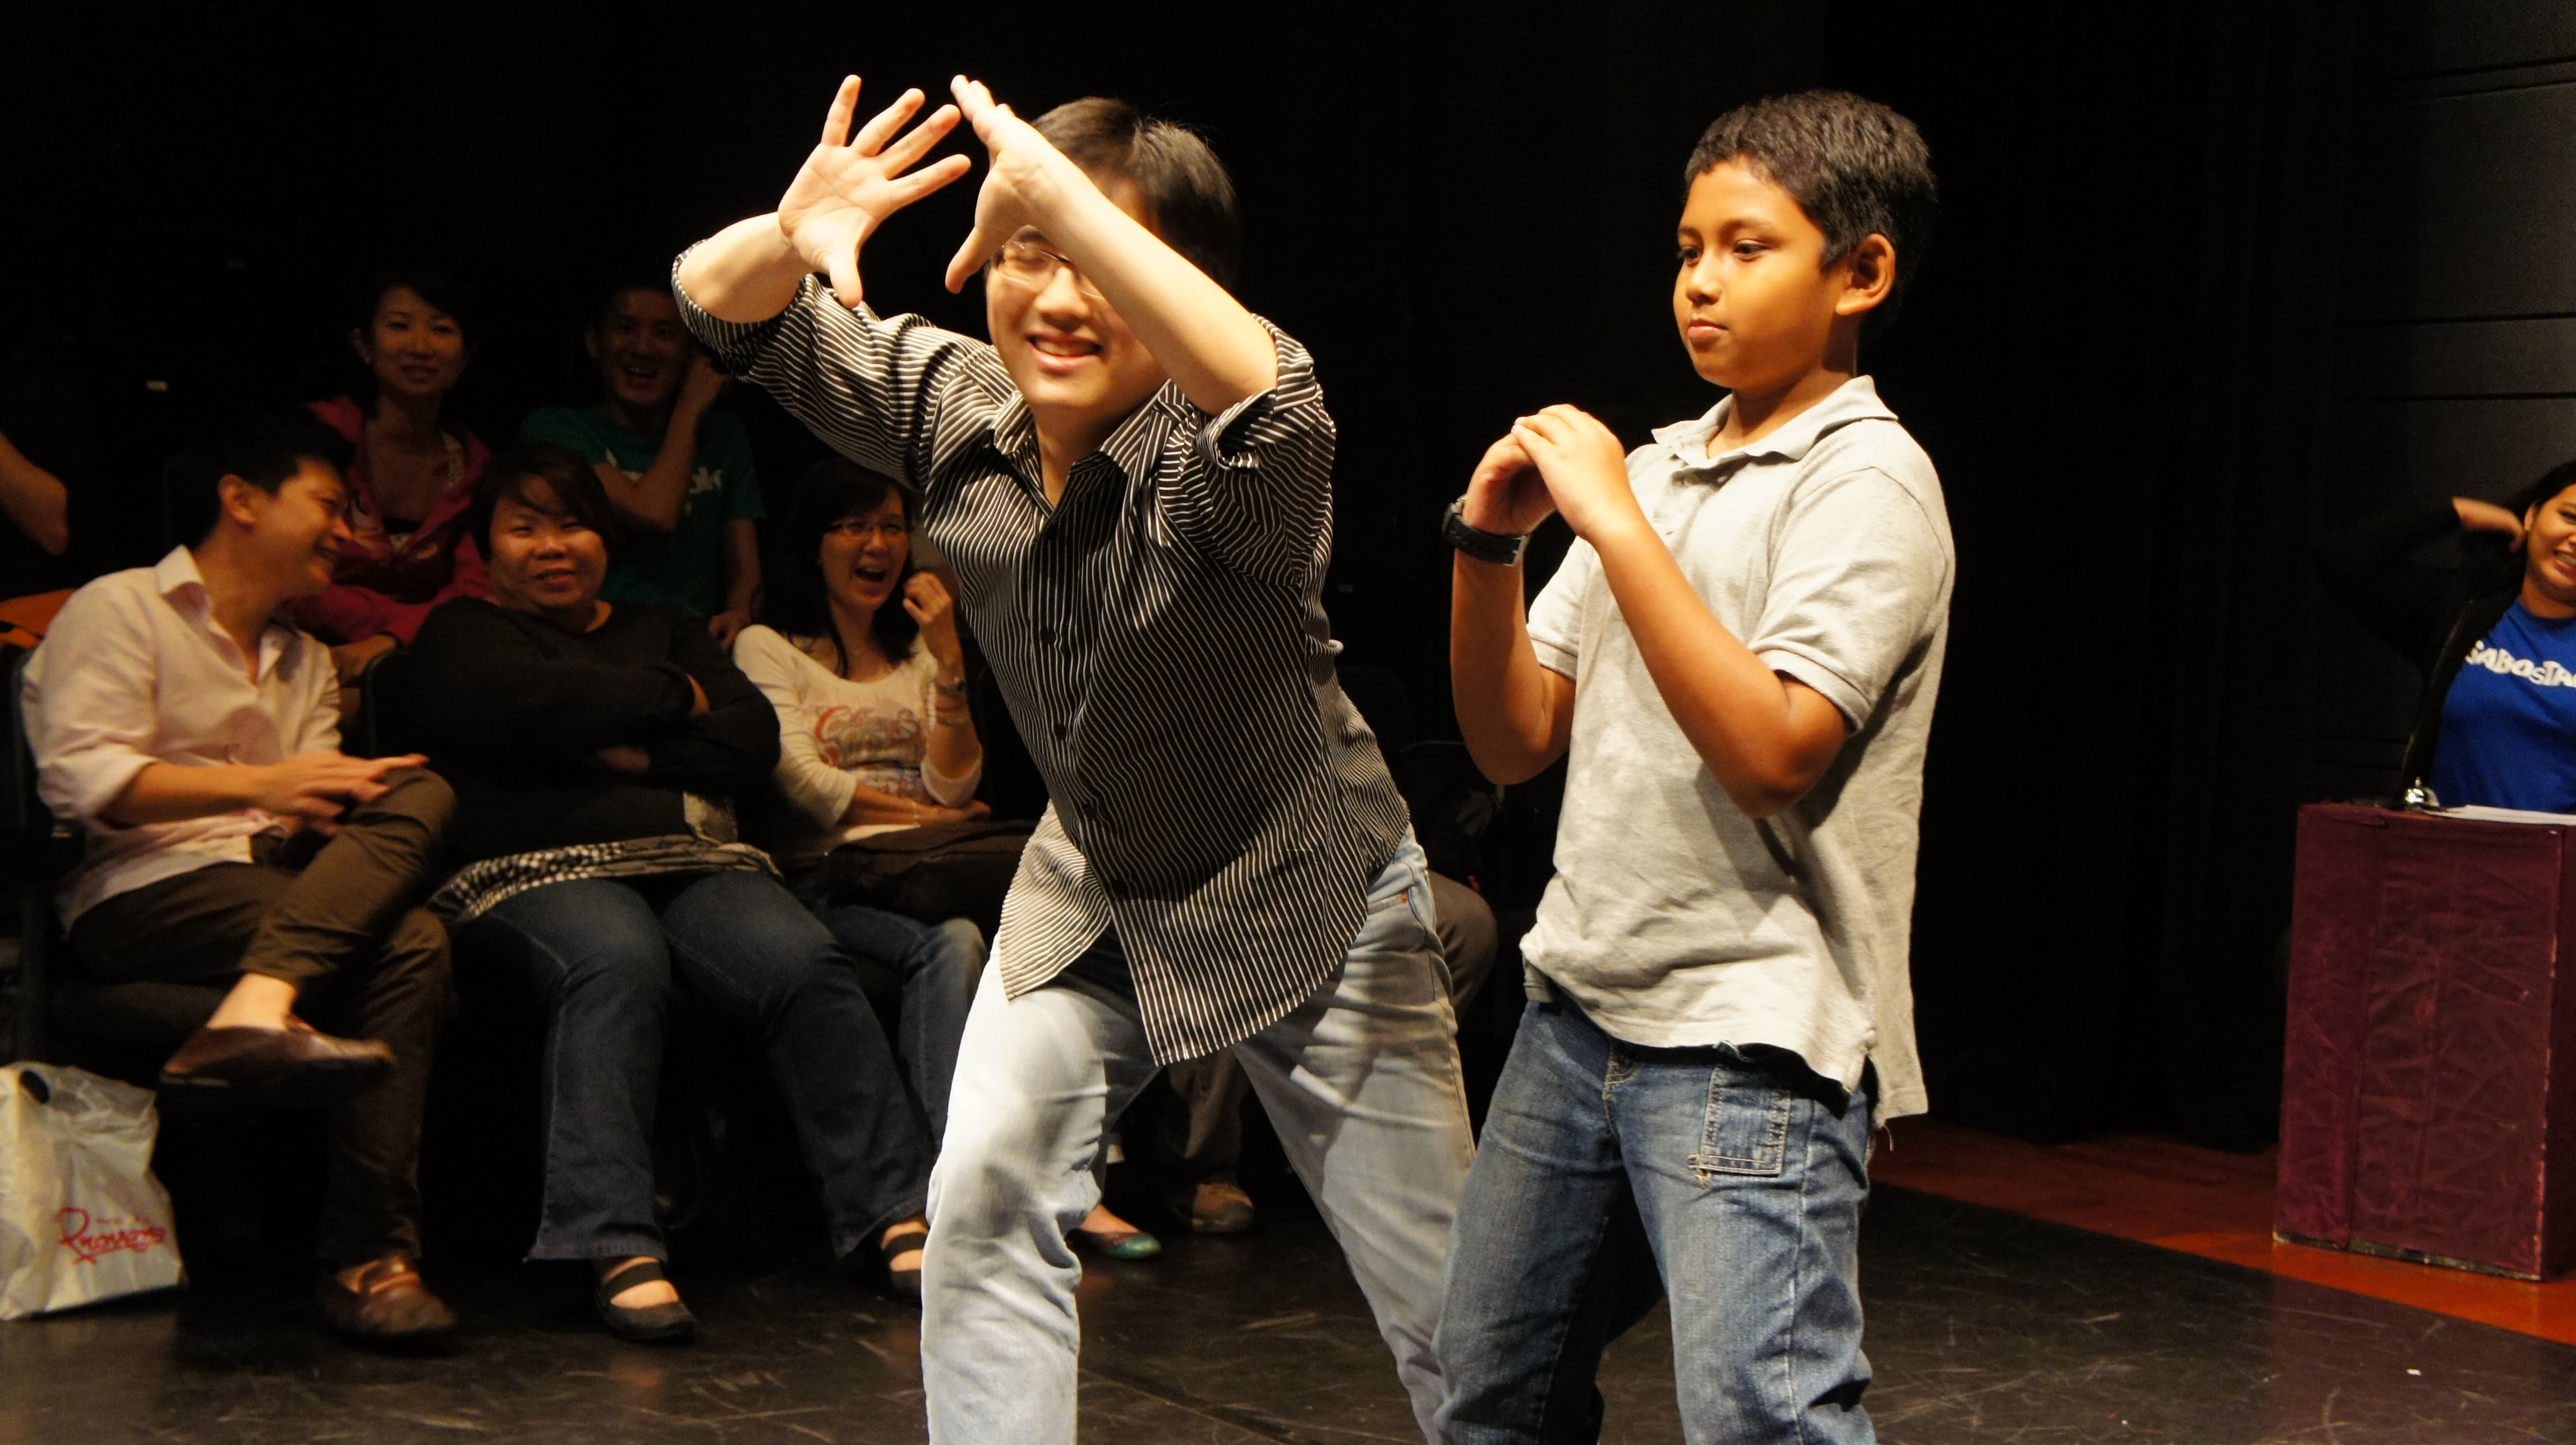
419	795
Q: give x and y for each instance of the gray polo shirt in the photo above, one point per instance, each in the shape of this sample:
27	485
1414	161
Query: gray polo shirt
1674	919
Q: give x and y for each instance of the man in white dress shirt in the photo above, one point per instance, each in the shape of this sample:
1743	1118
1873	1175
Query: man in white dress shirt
194	736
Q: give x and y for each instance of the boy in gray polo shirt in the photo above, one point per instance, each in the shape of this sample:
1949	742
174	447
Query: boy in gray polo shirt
1739	655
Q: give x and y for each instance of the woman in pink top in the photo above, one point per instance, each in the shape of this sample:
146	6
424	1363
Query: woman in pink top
412	482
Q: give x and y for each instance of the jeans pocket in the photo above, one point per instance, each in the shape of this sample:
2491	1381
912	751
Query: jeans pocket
1747	1129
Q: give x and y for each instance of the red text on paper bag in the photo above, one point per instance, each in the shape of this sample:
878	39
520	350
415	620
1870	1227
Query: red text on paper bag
91	1240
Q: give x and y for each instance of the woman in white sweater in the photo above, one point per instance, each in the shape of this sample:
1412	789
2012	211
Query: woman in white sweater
875	735
859	654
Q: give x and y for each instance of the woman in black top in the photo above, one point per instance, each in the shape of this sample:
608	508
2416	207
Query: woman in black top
594	750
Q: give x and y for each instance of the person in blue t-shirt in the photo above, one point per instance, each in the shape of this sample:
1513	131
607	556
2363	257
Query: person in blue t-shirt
2494	623
678	469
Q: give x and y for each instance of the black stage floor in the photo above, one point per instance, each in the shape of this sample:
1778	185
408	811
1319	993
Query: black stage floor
1983	1327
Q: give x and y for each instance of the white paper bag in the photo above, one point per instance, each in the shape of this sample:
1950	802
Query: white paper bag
81	1217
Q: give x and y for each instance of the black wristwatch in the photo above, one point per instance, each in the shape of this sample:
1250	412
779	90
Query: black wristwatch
1501	548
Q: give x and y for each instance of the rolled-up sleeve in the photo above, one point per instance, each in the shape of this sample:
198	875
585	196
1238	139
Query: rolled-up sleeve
1257	488
882	391
88	703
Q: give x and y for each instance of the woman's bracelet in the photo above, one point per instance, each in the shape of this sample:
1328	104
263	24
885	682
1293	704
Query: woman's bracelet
946	688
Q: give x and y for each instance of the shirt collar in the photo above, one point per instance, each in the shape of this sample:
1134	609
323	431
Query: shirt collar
1130	445
1854	400
177	578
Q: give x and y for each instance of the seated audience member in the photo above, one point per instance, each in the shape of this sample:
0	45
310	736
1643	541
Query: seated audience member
1200	1146
411	481
875	737
678	471
33	547
195	736
34	501
2494	627
593	747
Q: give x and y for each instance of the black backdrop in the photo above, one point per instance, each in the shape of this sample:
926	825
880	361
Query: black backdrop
2116	355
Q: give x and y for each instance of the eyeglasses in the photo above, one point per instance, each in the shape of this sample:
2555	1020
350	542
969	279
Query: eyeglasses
863	529
1032	266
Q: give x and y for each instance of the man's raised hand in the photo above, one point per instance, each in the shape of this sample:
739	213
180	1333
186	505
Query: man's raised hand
1026	170
850	184
318	787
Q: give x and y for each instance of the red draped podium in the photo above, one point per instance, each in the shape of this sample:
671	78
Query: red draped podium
2428	1096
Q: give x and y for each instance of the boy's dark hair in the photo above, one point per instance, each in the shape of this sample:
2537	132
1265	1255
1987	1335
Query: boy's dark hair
794	600
1189	199
265	450
1856	168
561	471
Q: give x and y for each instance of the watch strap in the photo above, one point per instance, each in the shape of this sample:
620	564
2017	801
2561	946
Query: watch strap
1501	548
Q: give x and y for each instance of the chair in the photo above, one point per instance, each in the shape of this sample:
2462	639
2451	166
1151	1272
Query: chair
52	1014
381	726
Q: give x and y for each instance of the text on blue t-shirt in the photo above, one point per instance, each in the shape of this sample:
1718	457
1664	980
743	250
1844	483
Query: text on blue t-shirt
2509	721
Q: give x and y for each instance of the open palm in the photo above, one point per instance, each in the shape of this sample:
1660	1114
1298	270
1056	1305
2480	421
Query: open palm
850	184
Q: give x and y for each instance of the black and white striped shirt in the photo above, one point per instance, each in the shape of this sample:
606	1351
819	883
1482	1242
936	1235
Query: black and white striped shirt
1159	634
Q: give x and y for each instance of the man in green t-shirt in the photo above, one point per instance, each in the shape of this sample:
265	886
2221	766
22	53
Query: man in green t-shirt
679	472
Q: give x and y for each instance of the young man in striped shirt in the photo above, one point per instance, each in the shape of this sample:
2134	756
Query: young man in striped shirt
1134	483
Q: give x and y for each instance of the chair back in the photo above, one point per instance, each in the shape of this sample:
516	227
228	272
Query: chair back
383	723
27	849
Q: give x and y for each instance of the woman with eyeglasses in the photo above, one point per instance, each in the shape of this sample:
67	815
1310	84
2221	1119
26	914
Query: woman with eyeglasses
858	651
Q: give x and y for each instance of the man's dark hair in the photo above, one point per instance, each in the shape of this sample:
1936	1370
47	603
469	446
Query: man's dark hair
265	450
794	599
567	478
638	279
1189	199
1856	168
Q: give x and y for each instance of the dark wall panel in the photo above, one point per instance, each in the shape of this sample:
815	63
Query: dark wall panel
2534	358
2414	37
2463	206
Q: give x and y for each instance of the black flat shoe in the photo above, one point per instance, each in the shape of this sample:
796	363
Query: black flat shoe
645	1324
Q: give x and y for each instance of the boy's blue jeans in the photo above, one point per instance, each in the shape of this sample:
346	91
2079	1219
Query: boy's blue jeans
1609	1174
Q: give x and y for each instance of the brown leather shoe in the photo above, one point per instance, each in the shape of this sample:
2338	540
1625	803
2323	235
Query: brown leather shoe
389	1304
290	1065
1219	1206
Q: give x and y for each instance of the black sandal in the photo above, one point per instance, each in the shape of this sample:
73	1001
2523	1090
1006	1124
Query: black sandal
644	1324
905	1282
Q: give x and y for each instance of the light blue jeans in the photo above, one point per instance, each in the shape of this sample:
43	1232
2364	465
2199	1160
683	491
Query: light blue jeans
1610	1174
1361	1081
